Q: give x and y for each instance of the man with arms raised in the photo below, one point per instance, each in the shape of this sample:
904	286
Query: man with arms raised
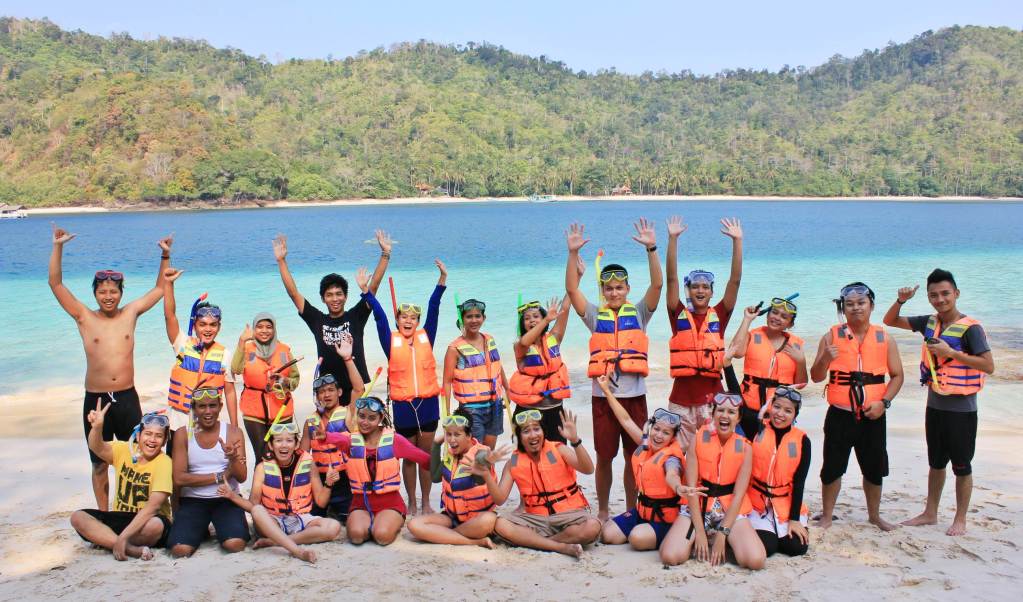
108	335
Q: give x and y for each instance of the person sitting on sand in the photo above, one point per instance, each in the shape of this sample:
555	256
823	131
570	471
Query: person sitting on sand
657	464
474	376
285	488
327	328
720	460
955	358
330	417
772	356
269	376
141	516
553	515
541	379
856	357
412	384
372	452
781	461
205	457
108	336
467	516
618	348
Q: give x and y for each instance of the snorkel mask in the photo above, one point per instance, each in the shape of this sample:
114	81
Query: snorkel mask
158	419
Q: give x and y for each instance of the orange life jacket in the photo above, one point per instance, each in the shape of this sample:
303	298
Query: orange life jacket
256	402
549	486
327	455
462	494
857	375
764	367
195	368
953	378
300	496
388	473
618	341
697	353
773	469
476	382
411	367
656	501
719	468
543	374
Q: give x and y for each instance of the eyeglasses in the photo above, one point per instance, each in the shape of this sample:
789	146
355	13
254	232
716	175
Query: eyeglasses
210	311
326	379
857	290
109	275
472	304
788	393
784	304
697	276
454	420
410	308
662	415
523	417
608	276
731	399
371	403
157	419
205	393
281	428
532	304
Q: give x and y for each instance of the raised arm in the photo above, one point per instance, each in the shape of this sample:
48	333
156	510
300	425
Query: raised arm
630	426
826	352
148	300
385	257
433	307
646	236
321	493
576	238
892	317
75	308
741	339
101	448
170	306
344	351
733	229
281	254
675	229
379	316
554	313
576	455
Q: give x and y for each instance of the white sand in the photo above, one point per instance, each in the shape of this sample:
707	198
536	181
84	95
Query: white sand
46	477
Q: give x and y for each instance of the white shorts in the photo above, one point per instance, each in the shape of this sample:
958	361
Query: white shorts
767	522
293	523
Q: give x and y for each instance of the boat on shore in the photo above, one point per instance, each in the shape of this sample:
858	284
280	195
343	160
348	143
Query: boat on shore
541	198
12	212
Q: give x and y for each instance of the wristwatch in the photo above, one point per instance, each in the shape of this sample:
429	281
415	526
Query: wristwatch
726	531
219	478
651	249
887	403
576	443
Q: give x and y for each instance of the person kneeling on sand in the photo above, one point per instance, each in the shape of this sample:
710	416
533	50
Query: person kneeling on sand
281	502
554	515
466	516
141	515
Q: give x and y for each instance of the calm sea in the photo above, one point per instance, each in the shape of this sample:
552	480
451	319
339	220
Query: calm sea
494	252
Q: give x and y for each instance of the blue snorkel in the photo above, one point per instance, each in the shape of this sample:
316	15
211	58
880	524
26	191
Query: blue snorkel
191	315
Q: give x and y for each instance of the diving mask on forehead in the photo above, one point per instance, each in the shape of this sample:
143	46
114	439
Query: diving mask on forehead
700	276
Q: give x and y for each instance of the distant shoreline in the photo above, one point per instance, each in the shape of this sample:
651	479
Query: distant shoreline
285	204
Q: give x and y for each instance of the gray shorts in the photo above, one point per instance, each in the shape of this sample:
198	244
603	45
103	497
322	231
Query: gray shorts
548	526
486	419
293	523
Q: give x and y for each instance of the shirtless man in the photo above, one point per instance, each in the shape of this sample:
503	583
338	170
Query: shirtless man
108	335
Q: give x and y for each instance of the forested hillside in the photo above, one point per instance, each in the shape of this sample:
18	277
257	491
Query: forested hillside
85	118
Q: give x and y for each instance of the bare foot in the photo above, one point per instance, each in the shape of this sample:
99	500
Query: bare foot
572	549
307	555
958	528
145	553
486	542
413	509
882	524
602	516
140	552
428	510
922	519
821	521
263	542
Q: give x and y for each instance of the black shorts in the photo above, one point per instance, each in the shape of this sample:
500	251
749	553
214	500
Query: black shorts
842	434
951	436
119	521
412	432
550	422
193	517
119	422
340	500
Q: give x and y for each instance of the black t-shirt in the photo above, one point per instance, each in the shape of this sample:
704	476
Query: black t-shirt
327	332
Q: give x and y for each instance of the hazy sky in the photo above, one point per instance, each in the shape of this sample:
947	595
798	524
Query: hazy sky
632	36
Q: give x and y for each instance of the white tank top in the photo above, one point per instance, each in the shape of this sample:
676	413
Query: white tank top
207	461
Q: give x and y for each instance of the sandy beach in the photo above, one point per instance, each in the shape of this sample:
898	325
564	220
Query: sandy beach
47	478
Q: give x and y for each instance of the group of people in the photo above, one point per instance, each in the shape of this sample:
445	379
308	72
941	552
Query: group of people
722	467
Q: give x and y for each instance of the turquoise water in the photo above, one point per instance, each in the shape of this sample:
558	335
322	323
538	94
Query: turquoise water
494	252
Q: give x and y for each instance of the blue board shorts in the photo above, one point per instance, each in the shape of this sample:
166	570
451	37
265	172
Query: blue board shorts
627	521
487	419
194	515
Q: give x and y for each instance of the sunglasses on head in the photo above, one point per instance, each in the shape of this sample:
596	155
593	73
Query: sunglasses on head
109	275
370	403
608	276
731	399
205	393
530	305
326	379
454	420
790	394
410	308
784	304
523	417
698	276
662	415
281	428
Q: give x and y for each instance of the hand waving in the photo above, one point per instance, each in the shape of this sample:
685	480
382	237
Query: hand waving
575	236
731	228
676	226
362	279
344	346
280	247
384	240
645	234
568	427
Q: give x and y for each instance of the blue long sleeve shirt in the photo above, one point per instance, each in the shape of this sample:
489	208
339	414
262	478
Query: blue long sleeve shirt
384	327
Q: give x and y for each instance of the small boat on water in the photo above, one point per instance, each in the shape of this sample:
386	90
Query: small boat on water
12	212
541	198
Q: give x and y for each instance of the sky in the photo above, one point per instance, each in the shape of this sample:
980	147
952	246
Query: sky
631	36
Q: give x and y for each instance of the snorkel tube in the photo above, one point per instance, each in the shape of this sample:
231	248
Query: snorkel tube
284	405
191	315
596	271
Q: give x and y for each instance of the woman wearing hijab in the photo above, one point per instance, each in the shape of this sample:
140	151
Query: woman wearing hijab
263	362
